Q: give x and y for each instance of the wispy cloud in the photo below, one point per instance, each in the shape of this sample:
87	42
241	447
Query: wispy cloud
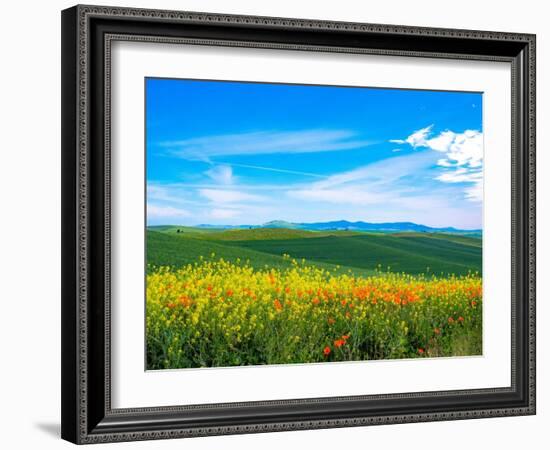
474	177
460	175
165	212
378	183
385	171
223	196
475	192
222	174
389	190
168	194
177	203
265	142
416	139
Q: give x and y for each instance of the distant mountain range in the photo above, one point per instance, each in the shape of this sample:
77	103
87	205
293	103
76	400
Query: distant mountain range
392	227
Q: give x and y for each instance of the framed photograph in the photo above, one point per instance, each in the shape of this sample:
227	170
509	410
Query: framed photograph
280	224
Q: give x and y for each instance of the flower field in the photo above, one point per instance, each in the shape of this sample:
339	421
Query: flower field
215	313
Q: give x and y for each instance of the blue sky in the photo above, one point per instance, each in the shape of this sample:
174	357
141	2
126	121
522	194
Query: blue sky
247	153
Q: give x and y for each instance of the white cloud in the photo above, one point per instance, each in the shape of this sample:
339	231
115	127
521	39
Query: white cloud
444	163
466	149
265	142
442	142
461	149
417	139
165	212
221	174
223	196
460	175
463	152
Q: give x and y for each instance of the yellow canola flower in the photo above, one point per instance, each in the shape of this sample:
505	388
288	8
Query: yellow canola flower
235	313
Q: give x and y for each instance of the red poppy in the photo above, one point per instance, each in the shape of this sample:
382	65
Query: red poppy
339	342
326	351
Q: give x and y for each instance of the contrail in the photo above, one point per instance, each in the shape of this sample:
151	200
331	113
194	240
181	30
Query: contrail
272	169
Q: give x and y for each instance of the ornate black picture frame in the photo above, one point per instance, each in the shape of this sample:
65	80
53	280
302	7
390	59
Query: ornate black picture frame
87	34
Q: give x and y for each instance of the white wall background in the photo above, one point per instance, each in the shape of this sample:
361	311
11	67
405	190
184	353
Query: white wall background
30	223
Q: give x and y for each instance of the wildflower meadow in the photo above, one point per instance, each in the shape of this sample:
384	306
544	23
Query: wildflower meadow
216	313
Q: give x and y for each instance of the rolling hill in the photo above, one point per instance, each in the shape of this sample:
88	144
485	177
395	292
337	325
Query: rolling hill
411	255
165	249
361	252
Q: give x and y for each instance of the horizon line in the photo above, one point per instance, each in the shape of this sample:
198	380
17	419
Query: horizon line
203	224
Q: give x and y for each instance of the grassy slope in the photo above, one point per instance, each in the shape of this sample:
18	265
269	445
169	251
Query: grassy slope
407	252
411	255
166	249
245	234
459	238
